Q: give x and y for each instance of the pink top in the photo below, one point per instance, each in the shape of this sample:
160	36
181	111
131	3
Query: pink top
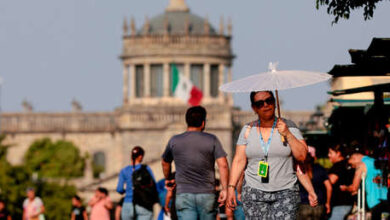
99	211
32	207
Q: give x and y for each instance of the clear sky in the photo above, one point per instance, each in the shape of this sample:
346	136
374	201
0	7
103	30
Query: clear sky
52	51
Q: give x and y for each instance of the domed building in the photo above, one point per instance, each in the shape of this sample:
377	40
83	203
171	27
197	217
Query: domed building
183	39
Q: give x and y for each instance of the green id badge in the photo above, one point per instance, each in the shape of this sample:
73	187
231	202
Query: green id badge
263	169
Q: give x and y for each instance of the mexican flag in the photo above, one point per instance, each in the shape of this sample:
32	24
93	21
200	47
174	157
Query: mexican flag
184	89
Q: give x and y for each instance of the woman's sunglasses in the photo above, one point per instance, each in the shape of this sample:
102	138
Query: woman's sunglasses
260	103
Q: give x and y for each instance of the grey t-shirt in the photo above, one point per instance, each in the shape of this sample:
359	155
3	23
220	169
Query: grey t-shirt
194	154
281	171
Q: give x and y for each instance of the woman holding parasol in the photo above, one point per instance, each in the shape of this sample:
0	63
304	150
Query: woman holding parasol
268	147
270	189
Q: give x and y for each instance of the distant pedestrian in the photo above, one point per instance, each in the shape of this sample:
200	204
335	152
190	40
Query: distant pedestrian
101	205
341	173
170	200
4	215
141	192
238	212
376	192
195	153
78	210
162	194
322	187
33	207
221	212
118	209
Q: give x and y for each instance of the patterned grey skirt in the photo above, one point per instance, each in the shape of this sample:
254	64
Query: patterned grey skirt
259	204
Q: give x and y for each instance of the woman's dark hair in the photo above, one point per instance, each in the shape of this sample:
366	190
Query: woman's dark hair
103	190
136	152
77	198
308	165
252	95
342	148
195	116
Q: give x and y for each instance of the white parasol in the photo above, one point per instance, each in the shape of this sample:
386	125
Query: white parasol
275	80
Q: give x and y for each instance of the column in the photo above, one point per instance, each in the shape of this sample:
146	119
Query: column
166	80
187	70
229	79
88	172
125	84
220	79
132	82
147	80
206	80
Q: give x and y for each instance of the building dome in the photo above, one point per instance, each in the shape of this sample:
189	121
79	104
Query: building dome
176	22
176	39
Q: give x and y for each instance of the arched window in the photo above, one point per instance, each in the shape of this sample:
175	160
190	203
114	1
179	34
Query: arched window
98	164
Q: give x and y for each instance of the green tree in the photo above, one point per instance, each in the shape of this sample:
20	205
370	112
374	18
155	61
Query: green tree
59	159
3	149
14	180
57	200
13	184
342	8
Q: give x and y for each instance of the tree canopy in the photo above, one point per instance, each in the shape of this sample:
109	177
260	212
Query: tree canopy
59	159
342	8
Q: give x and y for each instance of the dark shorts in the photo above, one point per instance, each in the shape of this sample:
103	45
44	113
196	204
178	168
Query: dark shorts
259	204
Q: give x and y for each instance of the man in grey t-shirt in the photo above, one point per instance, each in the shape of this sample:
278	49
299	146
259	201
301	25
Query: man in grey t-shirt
195	153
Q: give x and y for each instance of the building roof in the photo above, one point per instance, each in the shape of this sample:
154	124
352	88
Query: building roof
176	22
375	61
384	87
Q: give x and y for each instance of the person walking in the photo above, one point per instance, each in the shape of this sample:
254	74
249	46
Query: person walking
270	188
170	200
195	153
376	191
341	173
101	205
78	210
33	207
132	206
118	209
323	189
4	215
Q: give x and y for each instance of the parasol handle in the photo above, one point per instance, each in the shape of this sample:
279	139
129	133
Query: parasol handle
279	116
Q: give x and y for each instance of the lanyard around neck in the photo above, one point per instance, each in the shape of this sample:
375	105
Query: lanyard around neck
264	145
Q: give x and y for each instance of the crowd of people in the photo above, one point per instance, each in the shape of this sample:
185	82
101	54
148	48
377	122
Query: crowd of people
273	175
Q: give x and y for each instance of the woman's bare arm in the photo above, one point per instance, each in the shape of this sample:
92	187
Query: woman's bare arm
238	165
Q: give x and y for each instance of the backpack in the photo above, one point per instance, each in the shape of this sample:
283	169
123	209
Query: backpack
144	188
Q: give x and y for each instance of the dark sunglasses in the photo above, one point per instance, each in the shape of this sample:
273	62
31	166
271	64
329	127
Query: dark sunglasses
260	103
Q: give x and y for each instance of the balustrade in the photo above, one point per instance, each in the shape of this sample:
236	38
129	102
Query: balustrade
96	122
67	122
